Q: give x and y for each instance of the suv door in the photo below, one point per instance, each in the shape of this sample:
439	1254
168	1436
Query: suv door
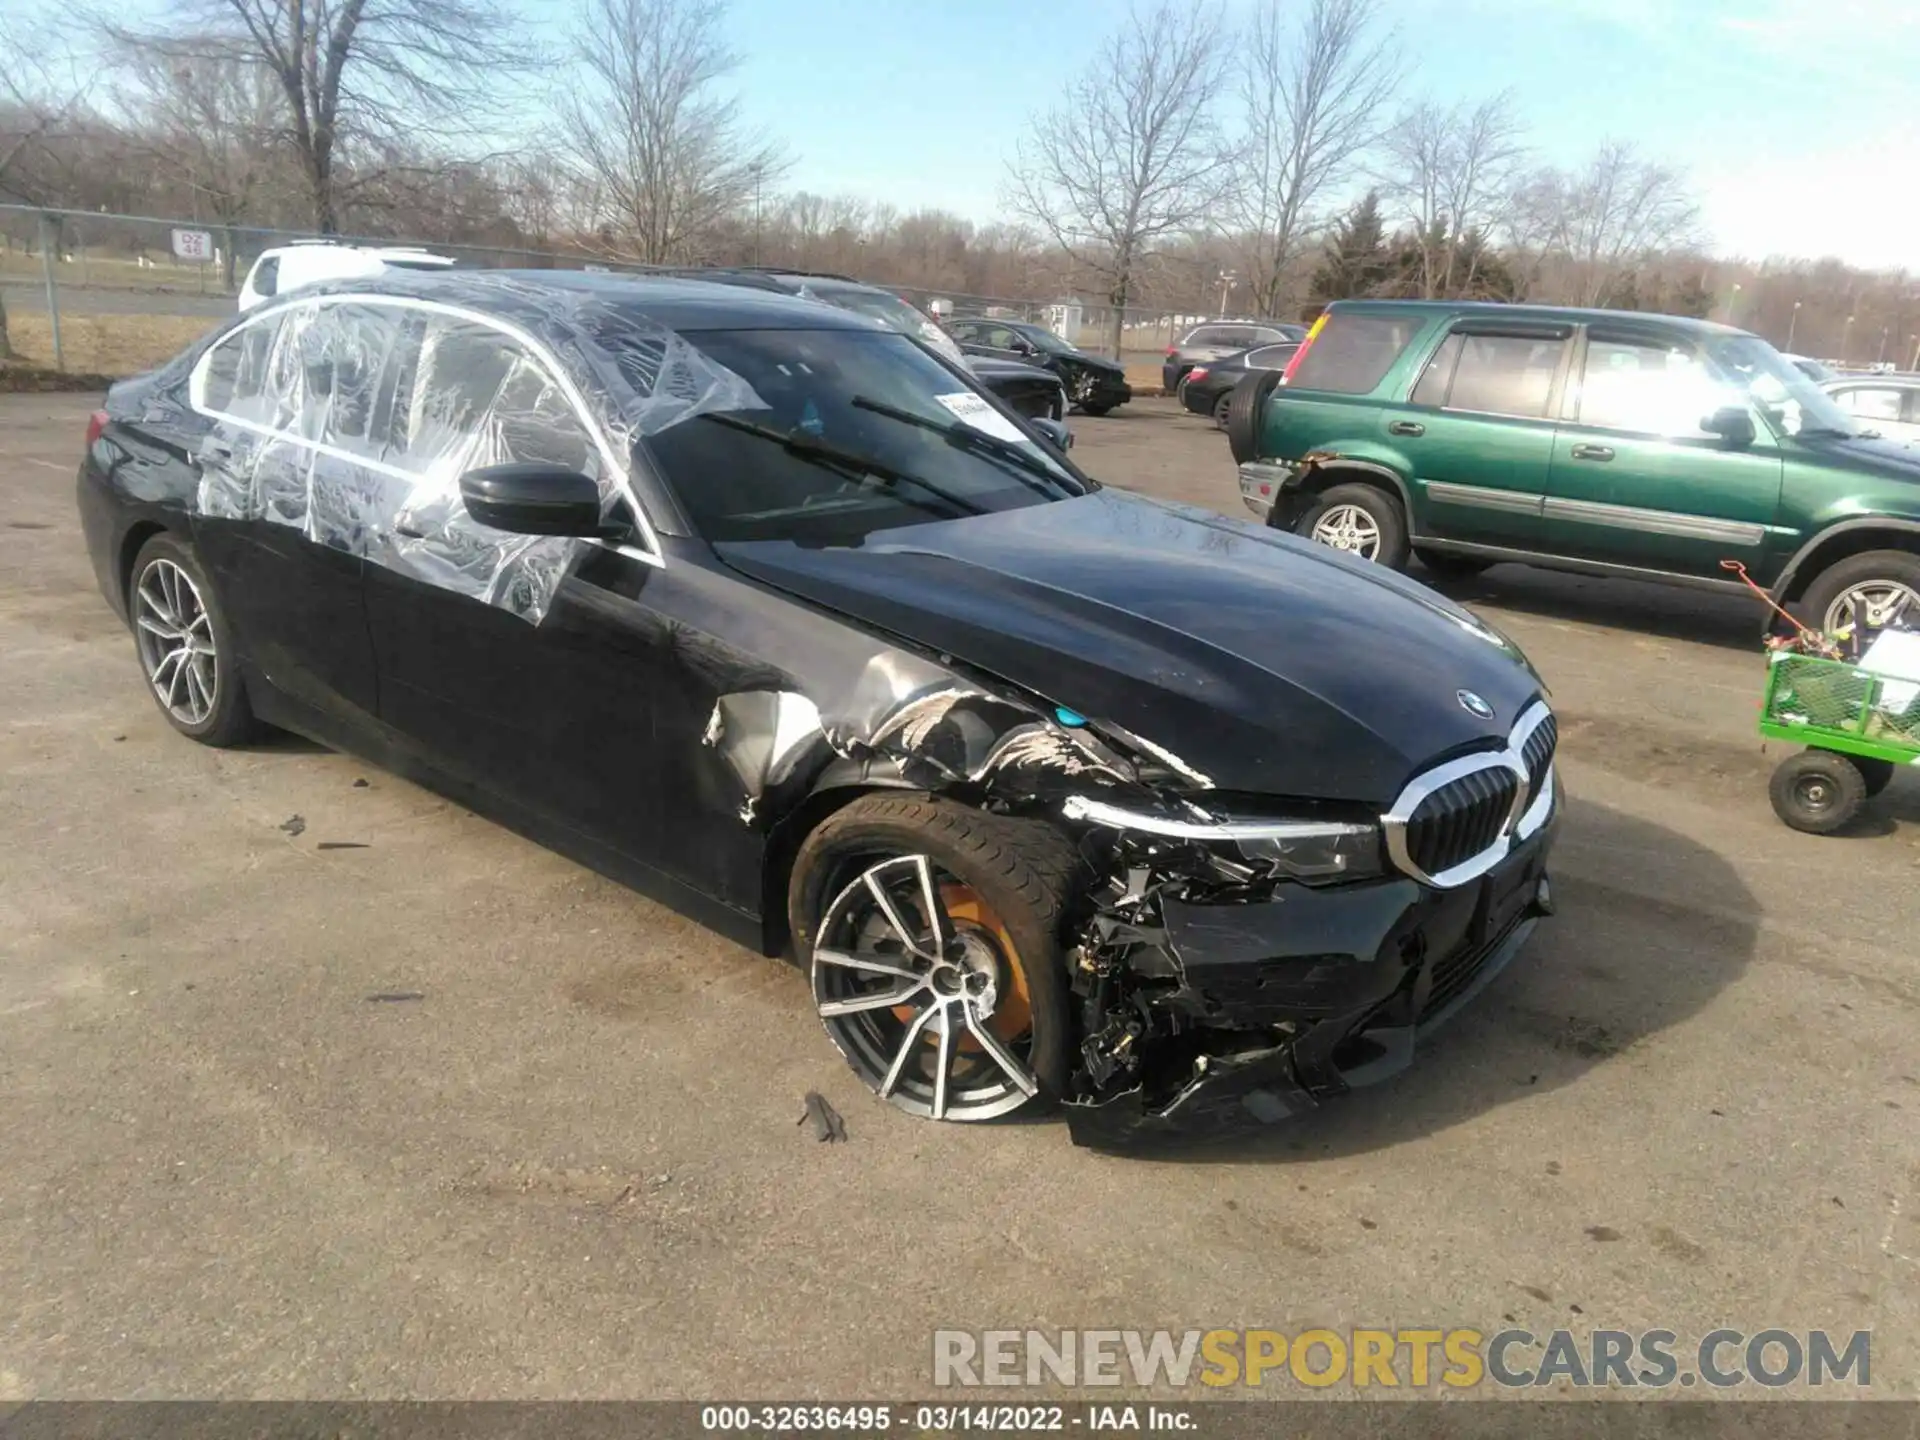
1637	481
1477	430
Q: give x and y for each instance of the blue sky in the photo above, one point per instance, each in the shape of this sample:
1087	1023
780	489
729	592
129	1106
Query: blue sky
1796	119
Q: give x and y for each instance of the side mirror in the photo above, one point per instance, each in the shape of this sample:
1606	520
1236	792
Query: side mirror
534	499
1025	347
1733	424
1054	433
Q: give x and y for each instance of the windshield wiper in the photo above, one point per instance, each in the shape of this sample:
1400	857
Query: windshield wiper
967	437
1834	432
850	463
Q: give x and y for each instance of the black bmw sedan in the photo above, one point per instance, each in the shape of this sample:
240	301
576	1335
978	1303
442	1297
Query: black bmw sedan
1058	794
1094	383
1209	386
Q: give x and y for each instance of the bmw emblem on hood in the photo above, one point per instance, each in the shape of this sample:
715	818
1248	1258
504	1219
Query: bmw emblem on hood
1473	704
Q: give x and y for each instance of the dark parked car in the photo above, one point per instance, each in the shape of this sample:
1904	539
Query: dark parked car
1031	390
1094	384
1218	339
1599	441
1055	792
1210	385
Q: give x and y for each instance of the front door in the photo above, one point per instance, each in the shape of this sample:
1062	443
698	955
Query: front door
1477	433
1637	481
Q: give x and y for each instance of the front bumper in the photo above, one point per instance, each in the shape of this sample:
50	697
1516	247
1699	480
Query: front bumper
1318	992
1102	390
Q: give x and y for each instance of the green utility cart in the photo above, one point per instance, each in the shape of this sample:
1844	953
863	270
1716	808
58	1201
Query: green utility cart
1858	727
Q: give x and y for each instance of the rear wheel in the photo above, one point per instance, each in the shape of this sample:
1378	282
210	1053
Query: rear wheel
1222	410
1879	590
185	645
1359	520
1817	791
932	932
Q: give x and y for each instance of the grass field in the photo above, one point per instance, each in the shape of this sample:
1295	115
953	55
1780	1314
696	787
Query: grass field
107	344
113	272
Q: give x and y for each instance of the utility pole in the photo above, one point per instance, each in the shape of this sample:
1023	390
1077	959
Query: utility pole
1227	278
1792	325
758	171
1846	339
1881	358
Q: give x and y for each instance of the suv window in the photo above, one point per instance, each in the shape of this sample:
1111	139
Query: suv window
266	275
1651	386
1505	374
1353	353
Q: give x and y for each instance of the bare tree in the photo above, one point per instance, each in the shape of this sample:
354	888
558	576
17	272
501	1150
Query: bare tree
1131	155
1313	93
1453	172
1621	209
359	80
646	120
43	91
214	123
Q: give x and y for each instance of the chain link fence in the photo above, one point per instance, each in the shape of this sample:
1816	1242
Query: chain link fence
109	294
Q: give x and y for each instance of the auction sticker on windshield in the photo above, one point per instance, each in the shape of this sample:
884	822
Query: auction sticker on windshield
970	409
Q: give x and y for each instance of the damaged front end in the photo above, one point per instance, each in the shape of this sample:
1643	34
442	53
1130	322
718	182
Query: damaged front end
1234	960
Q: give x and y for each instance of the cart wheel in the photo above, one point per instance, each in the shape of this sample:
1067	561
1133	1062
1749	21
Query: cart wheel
1877	773
1817	791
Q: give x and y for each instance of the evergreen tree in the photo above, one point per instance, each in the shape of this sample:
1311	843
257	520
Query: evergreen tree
1355	262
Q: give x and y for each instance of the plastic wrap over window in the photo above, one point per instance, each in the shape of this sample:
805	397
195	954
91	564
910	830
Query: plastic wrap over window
351	417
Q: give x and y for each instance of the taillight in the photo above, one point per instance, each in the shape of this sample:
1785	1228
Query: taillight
96	422
1173	352
1293	365
1198	372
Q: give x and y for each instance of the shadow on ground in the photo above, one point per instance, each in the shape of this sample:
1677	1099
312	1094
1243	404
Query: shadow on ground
1620	962
1729	621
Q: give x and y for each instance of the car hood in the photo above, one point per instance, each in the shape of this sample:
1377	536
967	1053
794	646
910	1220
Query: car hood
1096	362
1897	459
1263	663
988	368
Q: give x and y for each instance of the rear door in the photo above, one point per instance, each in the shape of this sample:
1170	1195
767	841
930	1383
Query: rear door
1636	481
286	469
1477	430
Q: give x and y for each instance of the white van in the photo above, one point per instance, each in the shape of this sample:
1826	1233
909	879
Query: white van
286	267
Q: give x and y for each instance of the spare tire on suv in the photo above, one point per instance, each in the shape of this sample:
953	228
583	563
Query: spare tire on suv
1247	403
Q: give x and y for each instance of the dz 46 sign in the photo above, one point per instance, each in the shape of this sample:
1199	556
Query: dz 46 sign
193	244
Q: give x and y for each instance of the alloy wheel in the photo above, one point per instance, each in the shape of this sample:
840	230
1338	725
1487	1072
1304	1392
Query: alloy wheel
175	637
1223	411
1875	605
1348	528
920	986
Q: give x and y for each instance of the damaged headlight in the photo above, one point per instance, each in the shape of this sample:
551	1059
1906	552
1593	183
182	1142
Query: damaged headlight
1303	849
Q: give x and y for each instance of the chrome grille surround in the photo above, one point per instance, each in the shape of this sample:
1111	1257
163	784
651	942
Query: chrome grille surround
1527	758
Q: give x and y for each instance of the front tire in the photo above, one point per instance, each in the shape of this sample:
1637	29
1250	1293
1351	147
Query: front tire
932	934
1358	520
185	646
1879	590
1094	410
1817	791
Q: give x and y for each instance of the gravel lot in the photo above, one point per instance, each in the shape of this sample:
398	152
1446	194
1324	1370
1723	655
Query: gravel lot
569	1166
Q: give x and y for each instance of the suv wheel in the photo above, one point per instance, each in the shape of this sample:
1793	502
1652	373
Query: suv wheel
1879	590
1359	520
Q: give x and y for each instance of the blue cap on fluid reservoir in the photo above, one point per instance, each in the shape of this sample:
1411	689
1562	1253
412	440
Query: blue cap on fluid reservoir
1068	717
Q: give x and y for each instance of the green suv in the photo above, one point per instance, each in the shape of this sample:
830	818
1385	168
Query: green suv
1601	441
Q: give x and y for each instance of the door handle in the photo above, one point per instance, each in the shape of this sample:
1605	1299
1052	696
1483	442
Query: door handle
1406	427
1593	452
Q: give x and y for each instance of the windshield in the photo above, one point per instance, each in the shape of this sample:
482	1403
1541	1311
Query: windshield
1048	341
891	311
859	431
1791	401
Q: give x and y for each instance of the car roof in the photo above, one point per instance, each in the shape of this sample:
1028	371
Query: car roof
1494	310
668	300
